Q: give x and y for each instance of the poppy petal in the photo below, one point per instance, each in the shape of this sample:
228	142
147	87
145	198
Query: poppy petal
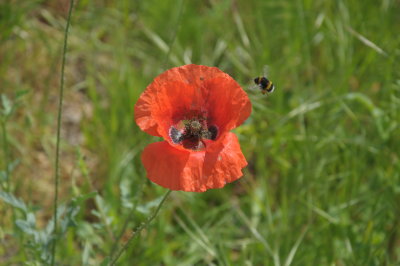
194	171
161	105
228	104
180	90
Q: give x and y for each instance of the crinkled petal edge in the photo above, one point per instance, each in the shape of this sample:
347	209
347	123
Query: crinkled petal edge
194	171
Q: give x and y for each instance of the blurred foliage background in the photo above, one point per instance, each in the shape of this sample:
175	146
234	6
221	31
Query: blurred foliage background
323	182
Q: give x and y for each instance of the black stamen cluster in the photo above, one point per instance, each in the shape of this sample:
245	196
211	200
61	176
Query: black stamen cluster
193	134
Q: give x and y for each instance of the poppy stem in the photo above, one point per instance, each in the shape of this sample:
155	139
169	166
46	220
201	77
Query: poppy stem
126	223
139	229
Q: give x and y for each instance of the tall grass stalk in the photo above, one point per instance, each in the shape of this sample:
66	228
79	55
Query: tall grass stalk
57	160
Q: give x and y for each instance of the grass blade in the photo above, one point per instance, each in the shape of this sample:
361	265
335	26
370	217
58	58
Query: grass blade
60	104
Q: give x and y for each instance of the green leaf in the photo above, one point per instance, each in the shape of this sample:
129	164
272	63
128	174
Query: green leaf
7	105
4	175
365	101
13	201
69	218
26	227
81	198
126	197
20	93
147	207
12	165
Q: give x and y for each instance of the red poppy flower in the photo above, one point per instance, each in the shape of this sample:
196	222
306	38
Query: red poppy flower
193	108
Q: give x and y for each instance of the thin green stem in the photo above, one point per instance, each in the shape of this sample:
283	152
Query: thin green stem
121	233
139	229
57	160
5	150
129	218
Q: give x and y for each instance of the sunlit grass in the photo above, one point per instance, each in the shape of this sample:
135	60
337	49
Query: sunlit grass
323	182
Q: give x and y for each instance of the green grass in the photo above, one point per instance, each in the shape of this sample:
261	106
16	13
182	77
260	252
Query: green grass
323	182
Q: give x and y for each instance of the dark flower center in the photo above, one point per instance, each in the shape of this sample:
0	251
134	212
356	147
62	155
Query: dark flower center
191	133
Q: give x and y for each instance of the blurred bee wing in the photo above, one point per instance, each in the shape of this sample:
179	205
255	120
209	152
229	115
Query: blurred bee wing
266	71
254	87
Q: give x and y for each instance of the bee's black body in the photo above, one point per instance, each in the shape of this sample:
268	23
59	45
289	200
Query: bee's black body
265	84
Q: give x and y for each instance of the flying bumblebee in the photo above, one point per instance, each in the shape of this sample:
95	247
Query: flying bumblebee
264	84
